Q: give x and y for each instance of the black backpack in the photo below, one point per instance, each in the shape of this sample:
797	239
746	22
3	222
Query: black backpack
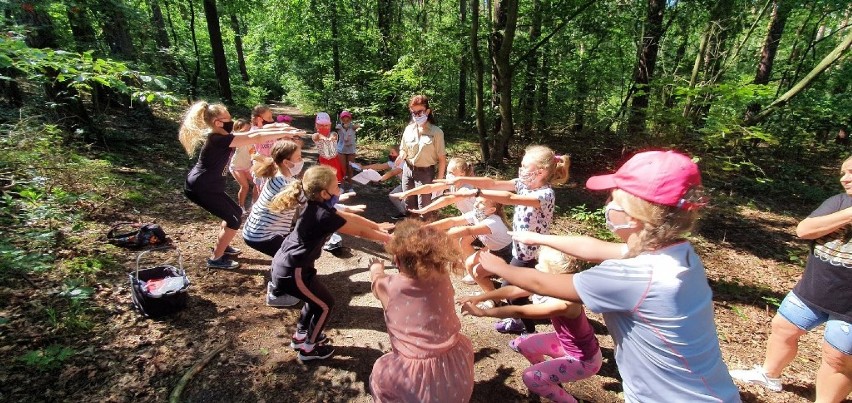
137	235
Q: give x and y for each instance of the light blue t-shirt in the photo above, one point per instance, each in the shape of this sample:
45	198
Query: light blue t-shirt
658	308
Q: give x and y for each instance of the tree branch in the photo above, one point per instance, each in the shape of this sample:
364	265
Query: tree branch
556	30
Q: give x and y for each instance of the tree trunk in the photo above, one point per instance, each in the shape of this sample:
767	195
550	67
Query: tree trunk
161	37
220	64
835	55
502	39
81	29
479	81
385	25
191	76
717	35
461	107
238	44
544	87
644	72
528	95
780	11
40	34
335	43
116	31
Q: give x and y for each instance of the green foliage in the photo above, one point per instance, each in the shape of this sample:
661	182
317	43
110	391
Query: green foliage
81	71
594	220
49	358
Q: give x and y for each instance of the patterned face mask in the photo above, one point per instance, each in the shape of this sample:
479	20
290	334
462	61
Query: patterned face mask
527	176
480	215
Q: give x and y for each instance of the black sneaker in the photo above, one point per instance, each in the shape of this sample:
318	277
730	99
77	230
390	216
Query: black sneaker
319	352
298	343
222	263
230	251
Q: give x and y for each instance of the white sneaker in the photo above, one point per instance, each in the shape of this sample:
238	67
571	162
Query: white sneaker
468	280
757	376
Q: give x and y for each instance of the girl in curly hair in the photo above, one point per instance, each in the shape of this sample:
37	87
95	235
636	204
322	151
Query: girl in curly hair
431	360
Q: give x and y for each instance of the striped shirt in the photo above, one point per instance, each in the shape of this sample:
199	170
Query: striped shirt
263	224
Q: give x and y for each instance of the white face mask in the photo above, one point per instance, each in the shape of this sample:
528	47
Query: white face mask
297	167
609	224
421	120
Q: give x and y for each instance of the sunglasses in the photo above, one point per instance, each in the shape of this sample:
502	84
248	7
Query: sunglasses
419	113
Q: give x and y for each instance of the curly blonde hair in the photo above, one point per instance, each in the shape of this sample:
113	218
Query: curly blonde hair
422	251
662	225
197	120
557	166
316	179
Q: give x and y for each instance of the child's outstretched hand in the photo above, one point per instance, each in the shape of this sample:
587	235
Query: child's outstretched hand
525	237
417	211
375	260
469	299
386	226
399	195
346	196
465	192
470	309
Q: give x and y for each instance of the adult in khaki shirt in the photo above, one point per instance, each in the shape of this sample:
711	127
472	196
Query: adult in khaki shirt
421	151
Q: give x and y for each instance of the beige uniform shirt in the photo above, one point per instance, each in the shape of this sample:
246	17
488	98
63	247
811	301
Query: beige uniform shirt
424	149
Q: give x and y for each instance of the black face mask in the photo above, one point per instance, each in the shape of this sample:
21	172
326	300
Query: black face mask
228	126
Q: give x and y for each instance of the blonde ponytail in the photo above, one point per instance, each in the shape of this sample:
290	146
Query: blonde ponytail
288	198
197	120
264	167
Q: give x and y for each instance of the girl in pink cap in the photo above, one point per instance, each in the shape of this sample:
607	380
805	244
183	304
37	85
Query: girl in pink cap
346	130
651	287
326	143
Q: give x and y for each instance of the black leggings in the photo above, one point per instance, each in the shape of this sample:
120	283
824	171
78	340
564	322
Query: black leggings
268	247
219	204
318	300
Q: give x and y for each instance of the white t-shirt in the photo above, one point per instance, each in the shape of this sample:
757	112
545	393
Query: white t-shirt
658	308
533	219
499	237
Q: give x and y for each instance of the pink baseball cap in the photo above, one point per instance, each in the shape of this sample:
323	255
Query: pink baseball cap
323	118
661	177
345	114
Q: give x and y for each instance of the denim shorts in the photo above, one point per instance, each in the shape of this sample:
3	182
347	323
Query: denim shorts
838	333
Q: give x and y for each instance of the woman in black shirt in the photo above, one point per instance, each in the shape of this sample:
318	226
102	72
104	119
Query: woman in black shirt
209	126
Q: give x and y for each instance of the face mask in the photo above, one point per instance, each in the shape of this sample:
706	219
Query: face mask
609	224
324	130
526	176
297	167
420	120
228	126
479	214
450	177
331	202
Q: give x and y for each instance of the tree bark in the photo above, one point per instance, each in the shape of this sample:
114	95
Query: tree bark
544	87
335	43
161	37
502	39
385	25
835	55
41	33
116	31
238	44
479	81
644	72
528	95
81	29
461	107
780	11
220	64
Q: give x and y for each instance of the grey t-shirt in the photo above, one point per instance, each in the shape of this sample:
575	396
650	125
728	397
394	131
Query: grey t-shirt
659	309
